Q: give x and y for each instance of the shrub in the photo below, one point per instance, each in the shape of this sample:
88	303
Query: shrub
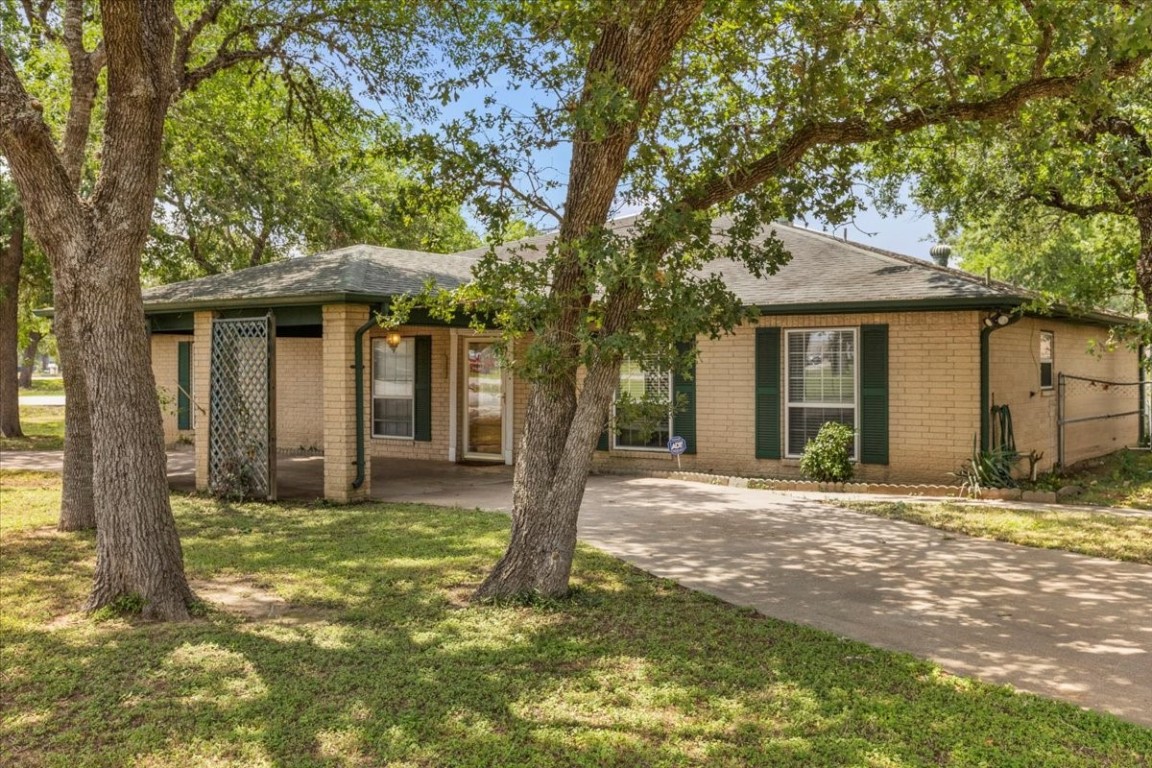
826	457
987	469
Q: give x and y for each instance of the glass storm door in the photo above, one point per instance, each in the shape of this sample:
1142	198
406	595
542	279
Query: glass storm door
484	395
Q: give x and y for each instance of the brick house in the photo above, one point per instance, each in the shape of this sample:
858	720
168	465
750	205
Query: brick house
912	354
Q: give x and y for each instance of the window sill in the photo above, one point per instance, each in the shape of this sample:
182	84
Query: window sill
627	451
393	437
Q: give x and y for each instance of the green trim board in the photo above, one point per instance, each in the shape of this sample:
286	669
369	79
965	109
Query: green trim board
940	305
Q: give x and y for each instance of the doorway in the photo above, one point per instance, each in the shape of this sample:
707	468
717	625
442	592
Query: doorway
483	402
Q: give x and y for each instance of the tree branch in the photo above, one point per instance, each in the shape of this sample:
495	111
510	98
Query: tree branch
1054	198
1114	125
843	133
37	17
1047	35
50	204
187	39
83	96
139	40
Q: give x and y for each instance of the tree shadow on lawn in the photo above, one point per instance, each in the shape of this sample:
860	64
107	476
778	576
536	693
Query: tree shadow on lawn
630	671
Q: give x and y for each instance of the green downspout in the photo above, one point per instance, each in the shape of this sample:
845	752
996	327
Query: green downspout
358	366
985	378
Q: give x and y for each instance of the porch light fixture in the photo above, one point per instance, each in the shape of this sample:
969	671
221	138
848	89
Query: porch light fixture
997	320
393	339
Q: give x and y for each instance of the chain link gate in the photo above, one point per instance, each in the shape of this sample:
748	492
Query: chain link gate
242	416
1082	403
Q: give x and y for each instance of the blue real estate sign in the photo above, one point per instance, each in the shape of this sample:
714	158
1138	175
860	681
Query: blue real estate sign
677	445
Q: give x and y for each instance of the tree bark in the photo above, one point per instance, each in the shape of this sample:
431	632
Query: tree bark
1143	212
77	500
28	358
137	546
10	262
560	434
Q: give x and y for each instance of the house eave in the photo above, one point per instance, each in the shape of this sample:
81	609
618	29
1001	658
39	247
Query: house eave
988	303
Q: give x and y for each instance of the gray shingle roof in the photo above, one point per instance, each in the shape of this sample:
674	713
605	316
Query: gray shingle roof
827	270
824	274
364	272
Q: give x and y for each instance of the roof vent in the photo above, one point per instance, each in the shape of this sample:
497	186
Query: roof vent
940	253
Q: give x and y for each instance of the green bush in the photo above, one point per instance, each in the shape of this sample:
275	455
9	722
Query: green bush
826	457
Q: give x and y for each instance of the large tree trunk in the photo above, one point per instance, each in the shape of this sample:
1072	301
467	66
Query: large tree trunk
10	261
561	429
137	546
95	249
28	358
560	434
1143	212
77	501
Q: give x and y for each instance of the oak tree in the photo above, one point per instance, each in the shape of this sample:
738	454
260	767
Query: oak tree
128	61
693	110
1058	198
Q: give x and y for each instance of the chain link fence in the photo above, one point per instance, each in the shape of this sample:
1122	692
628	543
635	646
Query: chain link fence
1088	412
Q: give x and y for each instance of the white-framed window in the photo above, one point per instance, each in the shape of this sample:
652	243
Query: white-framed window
1047	355
822	384
393	380
639	383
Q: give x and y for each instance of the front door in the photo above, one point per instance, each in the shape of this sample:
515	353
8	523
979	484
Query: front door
484	399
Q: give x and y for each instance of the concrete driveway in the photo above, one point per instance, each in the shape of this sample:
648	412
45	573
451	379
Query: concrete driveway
1062	625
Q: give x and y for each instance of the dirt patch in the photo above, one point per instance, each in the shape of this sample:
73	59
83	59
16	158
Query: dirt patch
241	596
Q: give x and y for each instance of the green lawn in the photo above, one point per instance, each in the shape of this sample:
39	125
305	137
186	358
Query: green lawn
43	428
1099	534
385	663
45	386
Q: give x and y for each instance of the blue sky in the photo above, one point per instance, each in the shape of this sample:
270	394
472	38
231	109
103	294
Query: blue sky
909	233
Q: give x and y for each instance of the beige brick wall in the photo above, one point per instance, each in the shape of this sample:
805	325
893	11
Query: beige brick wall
1014	368
298	390
299	394
339	402
165	367
934	384
201	372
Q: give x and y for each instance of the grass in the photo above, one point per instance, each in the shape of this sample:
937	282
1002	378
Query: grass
43	428
385	663
1100	534
1123	479
45	386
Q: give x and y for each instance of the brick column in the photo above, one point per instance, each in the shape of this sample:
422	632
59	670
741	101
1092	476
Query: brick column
340	324
201	373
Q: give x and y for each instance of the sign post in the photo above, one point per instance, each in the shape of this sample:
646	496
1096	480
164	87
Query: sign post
676	446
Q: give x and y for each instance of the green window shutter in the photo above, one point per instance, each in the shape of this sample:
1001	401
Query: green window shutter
184	383
874	394
422	390
684	394
768	393
602	443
